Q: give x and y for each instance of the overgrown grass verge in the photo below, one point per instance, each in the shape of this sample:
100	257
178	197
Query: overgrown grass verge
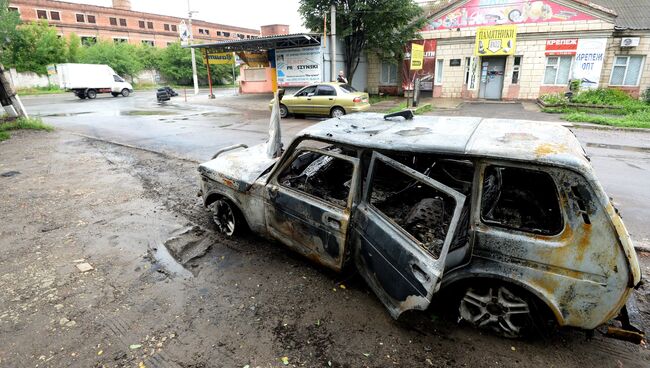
52	89
418	111
22	123
635	120
379	98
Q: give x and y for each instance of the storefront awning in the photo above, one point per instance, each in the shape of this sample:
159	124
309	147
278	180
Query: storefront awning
264	43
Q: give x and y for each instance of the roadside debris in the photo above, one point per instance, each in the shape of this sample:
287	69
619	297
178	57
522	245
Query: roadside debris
84	267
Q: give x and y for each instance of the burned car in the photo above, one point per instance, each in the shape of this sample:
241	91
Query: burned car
506	215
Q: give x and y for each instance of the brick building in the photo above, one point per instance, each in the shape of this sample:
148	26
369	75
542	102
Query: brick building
521	49
121	24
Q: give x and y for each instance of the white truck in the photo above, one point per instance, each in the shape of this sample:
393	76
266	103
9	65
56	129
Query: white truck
87	80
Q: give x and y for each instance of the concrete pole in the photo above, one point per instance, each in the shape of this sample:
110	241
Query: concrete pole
194	76
333	72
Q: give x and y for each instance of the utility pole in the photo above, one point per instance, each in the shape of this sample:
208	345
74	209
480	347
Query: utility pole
194	76
333	72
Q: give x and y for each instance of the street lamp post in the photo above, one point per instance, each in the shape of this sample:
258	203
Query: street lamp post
189	21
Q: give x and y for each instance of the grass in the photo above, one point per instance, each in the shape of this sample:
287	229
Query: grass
611	107
379	98
400	107
51	89
418	111
22	123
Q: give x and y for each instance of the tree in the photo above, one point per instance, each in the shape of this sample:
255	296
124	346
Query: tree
380	25
120	57
149	56
9	20
35	46
74	48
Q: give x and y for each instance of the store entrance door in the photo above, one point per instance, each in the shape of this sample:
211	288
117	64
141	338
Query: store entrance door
492	73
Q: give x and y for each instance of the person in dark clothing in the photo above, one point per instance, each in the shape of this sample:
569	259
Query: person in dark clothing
341	78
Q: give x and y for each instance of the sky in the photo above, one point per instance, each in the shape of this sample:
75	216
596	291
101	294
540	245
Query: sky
242	13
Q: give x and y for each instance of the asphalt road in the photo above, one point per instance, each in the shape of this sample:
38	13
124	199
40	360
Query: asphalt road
197	128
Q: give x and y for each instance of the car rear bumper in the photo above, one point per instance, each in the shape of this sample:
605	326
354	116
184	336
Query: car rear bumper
358	108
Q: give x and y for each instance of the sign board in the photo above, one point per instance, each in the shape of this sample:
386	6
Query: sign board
560	47
417	56
454	62
494	41
51	70
427	65
183	33
299	67
630	41
254	59
502	12
588	62
221	58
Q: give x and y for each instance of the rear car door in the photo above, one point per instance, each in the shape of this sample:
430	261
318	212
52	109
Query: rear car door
401	233
309	202
324	99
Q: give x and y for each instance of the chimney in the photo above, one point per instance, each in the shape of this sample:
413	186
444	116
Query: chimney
122	4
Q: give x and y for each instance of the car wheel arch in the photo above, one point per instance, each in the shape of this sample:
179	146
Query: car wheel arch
214	196
461	279
338	107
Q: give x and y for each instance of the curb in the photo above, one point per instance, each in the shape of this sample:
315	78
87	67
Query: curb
607	127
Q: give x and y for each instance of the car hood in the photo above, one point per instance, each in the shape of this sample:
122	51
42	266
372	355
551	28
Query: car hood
238	169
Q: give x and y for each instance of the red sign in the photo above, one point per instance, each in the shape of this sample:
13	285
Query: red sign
427	67
566	46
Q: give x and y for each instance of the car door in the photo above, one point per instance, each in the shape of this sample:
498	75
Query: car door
302	100
308	203
324	99
401	233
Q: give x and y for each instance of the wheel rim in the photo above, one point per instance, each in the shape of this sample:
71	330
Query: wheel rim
496	308
125	93
337	113
224	217
283	111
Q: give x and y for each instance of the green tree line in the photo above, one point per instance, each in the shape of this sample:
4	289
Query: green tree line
32	47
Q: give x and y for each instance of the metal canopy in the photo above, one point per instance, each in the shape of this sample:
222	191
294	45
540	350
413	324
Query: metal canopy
264	43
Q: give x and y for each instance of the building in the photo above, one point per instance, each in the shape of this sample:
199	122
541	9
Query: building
275	29
521	49
121	24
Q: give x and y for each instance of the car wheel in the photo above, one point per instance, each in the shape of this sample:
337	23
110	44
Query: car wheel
91	93
337	112
284	112
125	92
83	97
115	94
226	216
499	308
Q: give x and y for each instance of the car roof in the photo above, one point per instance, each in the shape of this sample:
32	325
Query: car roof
521	140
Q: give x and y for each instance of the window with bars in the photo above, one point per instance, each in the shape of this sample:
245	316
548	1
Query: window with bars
112	21
558	70
41	14
80	18
91	19
626	70
388	75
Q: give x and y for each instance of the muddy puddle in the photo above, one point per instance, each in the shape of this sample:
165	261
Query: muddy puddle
175	255
66	114
147	113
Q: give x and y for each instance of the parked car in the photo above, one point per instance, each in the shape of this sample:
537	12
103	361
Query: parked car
330	99
506	217
88	80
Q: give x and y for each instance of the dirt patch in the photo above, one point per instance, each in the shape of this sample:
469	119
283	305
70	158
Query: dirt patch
246	302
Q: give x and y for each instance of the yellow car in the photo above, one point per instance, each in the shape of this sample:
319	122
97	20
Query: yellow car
330	98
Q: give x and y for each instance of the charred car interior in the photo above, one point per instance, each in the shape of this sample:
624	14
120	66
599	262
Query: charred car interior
460	205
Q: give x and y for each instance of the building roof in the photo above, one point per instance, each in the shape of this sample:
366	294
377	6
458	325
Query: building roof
520	140
632	14
264	43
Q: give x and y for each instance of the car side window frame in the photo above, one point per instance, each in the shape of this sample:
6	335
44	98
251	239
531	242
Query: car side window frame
302	92
325	88
484	165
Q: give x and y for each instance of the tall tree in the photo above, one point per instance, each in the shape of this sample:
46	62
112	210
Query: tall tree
74	48
120	57
35	46
384	26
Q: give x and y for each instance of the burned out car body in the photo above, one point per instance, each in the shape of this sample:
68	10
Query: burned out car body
436	202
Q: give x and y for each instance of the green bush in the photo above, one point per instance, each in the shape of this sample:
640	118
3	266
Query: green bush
602	96
646	95
554	99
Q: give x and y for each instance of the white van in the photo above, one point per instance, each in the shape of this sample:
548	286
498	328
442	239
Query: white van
87	80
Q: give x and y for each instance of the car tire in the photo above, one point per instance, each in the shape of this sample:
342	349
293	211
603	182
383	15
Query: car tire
91	94
115	94
284	111
505	309
227	217
125	92
337	112
82	97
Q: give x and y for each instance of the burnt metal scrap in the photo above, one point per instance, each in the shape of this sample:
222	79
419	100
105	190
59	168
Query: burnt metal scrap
506	214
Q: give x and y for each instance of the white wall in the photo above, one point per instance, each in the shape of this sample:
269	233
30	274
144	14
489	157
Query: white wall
27	79
360	80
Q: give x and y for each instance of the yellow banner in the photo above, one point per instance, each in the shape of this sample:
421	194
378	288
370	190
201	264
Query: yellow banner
496	40
259	59
221	58
417	56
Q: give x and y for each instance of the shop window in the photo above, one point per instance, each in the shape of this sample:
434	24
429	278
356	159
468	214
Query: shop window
174	29
91	19
558	70
388	75
150	25
166	27
439	64
516	69
626	70
41	14
123	22
521	199
55	15
141	24
80	18
112	21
